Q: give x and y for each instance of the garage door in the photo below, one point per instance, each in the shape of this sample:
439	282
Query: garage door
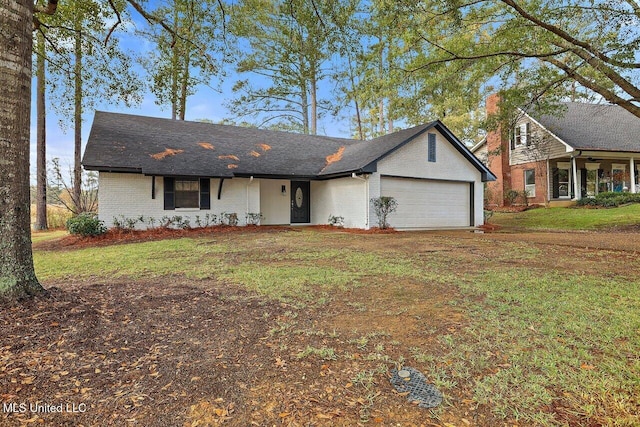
428	203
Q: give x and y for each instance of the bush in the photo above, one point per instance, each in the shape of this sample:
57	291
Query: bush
383	206
253	218
229	218
336	221
610	199
86	224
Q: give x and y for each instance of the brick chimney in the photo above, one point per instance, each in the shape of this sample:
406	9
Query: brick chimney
498	157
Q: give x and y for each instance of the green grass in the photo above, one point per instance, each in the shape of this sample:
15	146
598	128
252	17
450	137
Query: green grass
542	337
569	218
41	236
536	337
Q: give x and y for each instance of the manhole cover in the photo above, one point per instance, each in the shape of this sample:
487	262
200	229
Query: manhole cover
412	381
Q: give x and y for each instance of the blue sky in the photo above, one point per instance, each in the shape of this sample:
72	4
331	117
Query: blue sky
207	103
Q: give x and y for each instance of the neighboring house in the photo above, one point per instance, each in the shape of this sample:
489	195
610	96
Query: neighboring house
579	152
158	167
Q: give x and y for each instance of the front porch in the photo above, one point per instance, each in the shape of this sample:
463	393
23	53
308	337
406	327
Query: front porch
590	173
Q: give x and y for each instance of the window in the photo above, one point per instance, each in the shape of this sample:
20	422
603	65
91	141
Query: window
619	177
187	193
563	182
431	155
522	135
530	182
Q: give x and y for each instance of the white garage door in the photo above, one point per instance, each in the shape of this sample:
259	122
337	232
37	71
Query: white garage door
428	203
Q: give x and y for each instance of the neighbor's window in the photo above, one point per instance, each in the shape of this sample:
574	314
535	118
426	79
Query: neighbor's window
530	182
522	134
187	193
431	155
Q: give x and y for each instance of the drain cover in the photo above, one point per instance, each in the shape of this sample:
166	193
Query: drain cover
415	383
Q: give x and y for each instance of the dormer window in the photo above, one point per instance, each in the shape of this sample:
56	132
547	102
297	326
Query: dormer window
522	135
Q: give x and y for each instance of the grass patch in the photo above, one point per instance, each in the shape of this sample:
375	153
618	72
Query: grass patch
569	218
42	236
539	343
543	339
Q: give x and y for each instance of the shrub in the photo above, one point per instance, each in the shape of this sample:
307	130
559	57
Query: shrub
86	224
511	196
253	218
609	199
229	218
383	206
336	221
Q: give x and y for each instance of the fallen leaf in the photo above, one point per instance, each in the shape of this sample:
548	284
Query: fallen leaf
284	414
587	367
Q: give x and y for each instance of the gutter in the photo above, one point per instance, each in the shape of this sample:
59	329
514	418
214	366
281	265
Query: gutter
366	194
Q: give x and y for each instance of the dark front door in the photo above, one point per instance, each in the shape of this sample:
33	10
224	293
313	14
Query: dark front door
300	207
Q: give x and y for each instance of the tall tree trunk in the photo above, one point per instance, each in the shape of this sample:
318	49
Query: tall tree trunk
381	102
17	275
41	151
77	167
184	87
313	93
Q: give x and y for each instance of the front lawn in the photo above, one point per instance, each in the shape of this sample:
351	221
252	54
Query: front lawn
300	327
569	218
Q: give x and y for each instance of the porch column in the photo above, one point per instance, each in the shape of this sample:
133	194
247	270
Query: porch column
574	172
632	175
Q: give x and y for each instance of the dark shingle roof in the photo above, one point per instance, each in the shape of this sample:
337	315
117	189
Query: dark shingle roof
154	146
594	127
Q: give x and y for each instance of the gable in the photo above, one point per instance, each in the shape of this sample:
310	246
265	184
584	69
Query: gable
412	159
539	145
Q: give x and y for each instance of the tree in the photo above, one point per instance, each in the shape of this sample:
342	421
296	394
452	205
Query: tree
185	58
538	49
290	45
41	142
82	59
17	275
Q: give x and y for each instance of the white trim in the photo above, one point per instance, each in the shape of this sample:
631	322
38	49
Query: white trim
632	174
568	147
574	172
592	166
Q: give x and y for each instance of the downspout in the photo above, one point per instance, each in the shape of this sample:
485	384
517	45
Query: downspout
574	171
248	185
366	200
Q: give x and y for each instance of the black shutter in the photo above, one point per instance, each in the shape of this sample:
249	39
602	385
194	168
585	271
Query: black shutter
205	193
527	136
583	183
169	194
555	183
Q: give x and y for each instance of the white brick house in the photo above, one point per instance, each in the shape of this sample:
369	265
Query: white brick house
157	167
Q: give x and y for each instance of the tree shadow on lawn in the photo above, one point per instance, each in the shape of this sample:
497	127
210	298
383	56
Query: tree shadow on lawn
173	352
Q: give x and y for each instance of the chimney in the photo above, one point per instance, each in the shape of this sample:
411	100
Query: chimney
498	156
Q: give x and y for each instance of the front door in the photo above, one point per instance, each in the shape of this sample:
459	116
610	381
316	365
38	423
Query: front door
300	206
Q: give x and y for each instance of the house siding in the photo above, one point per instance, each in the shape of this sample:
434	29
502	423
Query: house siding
345	197
543	146
275	206
129	195
411	161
